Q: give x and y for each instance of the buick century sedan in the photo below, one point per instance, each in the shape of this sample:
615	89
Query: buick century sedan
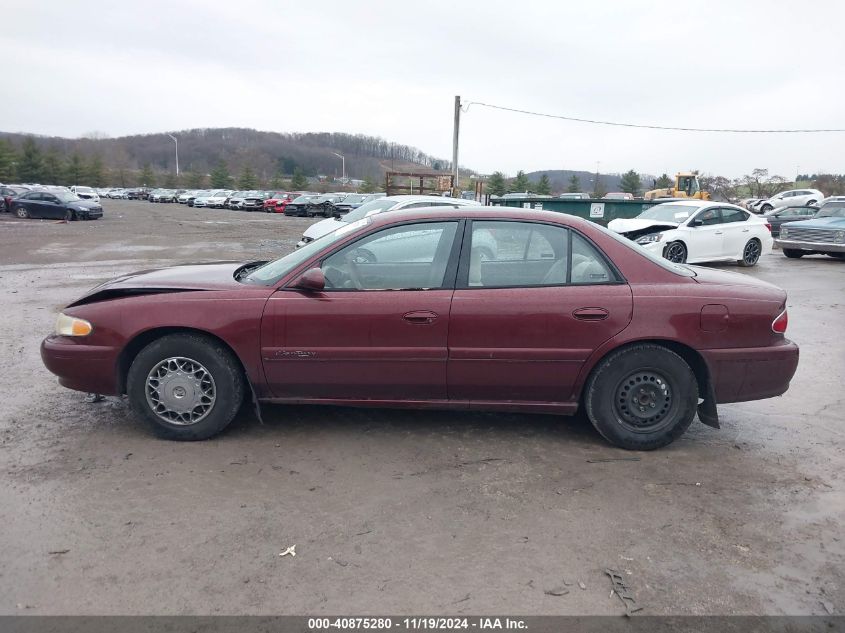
402	310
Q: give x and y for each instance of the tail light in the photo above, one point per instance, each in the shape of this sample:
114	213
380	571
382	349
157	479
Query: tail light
769	226
780	323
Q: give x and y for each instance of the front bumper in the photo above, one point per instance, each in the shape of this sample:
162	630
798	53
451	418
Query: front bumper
89	368
810	247
754	373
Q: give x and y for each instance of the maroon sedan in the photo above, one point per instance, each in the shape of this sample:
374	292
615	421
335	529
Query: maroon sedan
496	309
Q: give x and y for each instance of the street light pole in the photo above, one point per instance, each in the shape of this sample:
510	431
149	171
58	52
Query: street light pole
175	140
342	166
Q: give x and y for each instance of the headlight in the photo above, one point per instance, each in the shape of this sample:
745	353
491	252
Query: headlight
72	326
784	231
648	239
839	237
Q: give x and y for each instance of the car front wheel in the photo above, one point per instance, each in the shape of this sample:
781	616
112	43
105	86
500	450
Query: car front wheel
186	386
766	208
751	253
641	397
675	252
22	213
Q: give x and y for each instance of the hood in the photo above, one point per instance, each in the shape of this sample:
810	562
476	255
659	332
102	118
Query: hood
189	277
84	204
324	227
640	224
819	223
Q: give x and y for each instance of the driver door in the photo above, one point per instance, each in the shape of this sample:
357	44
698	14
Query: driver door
706	235
378	331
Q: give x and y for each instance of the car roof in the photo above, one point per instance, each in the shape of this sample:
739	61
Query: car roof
417	198
476	211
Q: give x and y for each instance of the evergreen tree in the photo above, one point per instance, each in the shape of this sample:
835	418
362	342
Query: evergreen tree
599	190
247	179
52	173
148	177
544	188
521	183
220	178
30	162
664	182
299	181
170	181
574	184
7	161
74	170
197	181
369	186
95	176
496	184
277	182
631	182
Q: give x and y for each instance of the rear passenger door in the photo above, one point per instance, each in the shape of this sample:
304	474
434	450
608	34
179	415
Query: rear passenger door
737	231
532	302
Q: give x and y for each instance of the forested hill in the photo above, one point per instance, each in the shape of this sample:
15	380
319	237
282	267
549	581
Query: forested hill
265	153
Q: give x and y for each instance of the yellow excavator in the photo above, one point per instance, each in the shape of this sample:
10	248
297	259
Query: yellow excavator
686	186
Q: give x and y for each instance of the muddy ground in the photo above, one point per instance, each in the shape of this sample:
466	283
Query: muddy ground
398	511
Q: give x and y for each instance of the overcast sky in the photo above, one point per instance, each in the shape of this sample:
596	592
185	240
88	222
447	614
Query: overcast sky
392	69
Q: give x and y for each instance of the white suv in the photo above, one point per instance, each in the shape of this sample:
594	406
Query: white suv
791	198
380	205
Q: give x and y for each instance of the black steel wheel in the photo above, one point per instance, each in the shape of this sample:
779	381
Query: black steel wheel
641	397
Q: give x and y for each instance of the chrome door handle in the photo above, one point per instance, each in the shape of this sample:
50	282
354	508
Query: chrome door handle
420	317
717	232
745	230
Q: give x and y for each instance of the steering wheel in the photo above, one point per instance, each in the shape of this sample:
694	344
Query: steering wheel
355	274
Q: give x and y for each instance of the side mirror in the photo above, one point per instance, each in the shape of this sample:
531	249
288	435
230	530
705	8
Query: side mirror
695	223
312	279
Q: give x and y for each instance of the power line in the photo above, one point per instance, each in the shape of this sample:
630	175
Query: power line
648	127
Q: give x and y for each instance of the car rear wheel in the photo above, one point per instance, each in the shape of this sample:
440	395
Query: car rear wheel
675	252
766	208
751	253
186	386
793	254
641	397
22	212
69	215
810	203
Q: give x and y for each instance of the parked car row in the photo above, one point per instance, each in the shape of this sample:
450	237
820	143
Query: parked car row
49	203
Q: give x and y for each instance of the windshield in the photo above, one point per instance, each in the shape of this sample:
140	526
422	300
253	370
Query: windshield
271	272
678	269
302	199
832	210
66	197
369	208
354	199
675	213
85	189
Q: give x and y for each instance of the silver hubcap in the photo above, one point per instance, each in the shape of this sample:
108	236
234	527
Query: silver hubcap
21	212
180	391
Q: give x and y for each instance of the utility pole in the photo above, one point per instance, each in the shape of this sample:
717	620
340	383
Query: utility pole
175	140
455	133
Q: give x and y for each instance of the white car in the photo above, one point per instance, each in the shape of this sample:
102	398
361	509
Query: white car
217	199
791	198
86	193
379	205
695	231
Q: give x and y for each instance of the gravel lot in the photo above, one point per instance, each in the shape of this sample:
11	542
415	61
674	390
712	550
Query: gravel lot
398	511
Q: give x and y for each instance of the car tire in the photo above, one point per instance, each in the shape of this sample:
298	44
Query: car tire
810	203
751	253
70	216
766	208
793	254
197	367
633	382
22	212
675	252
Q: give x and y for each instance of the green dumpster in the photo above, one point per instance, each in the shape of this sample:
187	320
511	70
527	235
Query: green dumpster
599	211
